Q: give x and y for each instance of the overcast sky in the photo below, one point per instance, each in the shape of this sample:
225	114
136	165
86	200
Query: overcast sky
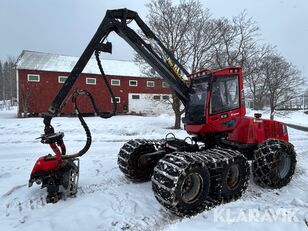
66	26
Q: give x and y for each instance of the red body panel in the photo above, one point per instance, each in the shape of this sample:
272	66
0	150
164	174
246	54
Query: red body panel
49	165
255	131
216	123
45	165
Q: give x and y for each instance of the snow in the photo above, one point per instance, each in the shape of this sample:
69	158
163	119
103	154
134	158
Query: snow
106	200
32	60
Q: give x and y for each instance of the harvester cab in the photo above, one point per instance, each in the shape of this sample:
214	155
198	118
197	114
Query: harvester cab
215	101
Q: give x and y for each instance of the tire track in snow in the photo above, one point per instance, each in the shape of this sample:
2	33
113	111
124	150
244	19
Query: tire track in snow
19	205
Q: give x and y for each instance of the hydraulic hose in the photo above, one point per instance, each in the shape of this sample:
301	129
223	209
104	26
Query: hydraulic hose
83	123
93	103
108	114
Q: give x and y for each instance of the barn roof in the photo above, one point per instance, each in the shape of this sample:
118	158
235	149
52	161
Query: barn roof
33	60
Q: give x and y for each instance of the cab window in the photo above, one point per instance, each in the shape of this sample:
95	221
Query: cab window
225	94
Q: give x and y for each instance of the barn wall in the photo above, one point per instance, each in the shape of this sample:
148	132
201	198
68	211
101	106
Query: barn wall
39	95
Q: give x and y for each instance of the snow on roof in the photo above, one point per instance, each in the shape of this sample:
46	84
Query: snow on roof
33	60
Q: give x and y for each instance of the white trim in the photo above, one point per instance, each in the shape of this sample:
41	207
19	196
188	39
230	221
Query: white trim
62	76
39	78
117	84
150	82
132	80
117	98
88	78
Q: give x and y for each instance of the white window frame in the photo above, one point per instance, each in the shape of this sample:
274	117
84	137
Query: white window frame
133	81
118	99
117	84
88	78
150	82
38	78
164	84
62	76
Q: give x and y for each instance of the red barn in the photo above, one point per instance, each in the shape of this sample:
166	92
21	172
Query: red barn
41	75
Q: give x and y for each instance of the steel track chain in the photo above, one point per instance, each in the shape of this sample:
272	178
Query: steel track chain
128	152
169	169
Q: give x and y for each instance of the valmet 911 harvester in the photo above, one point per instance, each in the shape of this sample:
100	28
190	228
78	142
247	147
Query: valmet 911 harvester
188	176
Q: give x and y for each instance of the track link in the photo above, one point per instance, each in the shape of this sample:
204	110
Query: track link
128	158
170	170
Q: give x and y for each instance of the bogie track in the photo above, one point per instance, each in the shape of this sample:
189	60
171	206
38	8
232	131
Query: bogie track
190	182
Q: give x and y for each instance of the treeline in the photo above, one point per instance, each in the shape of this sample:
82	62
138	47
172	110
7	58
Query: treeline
8	86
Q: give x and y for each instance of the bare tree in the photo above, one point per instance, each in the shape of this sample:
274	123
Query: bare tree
199	41
203	38
179	27
24	98
254	76
237	41
282	79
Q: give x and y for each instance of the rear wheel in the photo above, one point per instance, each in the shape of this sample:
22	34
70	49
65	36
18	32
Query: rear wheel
230	178
128	159
274	163
181	183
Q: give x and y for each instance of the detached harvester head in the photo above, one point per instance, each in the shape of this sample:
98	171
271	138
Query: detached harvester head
57	174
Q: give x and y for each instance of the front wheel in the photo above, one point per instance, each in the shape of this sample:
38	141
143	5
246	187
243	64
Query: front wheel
129	156
274	164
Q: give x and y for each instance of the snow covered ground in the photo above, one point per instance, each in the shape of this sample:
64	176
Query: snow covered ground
108	201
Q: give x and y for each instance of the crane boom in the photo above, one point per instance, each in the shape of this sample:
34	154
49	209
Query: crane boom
117	21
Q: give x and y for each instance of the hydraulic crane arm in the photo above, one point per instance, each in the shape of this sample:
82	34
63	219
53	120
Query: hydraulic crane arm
52	170
117	21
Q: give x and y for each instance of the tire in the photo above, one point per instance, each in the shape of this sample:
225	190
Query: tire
181	183
128	160
230	179
274	164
